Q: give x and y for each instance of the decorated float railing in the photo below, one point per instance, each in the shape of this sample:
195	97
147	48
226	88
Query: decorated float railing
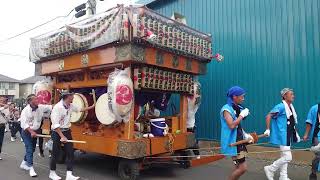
163	80
122	24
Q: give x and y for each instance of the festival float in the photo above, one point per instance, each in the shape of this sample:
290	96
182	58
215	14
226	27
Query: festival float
129	61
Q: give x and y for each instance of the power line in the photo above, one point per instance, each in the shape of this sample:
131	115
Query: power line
31	29
15	55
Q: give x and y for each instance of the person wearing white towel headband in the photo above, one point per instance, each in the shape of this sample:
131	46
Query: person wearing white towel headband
283	120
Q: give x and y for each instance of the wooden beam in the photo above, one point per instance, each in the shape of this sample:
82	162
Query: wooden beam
82	84
175	124
120	54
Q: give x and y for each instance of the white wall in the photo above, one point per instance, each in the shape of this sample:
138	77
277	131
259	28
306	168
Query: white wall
10	92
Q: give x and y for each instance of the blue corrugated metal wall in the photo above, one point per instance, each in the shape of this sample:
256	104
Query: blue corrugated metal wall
267	45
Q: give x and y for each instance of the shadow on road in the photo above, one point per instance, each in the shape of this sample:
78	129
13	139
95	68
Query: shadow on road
100	164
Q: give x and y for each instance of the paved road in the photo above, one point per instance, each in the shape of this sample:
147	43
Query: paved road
99	167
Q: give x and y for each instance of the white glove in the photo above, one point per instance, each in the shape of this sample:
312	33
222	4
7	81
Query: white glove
244	113
247	136
298	137
267	132
315	148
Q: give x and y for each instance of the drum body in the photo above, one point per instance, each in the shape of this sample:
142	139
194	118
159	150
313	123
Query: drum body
120	94
103	113
80	101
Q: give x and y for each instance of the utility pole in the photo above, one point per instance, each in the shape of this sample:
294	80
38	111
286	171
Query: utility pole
82	9
92	7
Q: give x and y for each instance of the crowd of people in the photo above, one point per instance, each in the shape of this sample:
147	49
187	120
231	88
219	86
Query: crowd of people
11	114
29	123
281	129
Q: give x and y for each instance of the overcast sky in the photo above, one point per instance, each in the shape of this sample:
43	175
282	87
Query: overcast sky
18	16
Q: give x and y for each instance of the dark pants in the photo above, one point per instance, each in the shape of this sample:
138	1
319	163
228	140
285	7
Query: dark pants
196	146
315	162
2	129
316	159
56	148
14	128
30	145
40	141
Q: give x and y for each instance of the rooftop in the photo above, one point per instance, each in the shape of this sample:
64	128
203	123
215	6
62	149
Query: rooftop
32	79
4	78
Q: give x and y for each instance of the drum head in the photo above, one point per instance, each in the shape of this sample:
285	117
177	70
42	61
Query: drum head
104	115
81	102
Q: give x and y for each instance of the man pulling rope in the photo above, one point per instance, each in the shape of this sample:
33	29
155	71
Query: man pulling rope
231	116
283	133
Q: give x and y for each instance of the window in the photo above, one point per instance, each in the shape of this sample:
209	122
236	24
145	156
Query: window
12	86
2	85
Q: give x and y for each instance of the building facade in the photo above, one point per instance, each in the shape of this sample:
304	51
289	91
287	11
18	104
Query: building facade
267	45
26	85
14	89
9	87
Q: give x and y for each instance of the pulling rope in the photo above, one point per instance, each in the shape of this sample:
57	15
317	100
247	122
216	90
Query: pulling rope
254	139
209	155
218	147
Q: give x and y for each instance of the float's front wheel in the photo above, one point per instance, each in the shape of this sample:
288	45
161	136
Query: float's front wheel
128	169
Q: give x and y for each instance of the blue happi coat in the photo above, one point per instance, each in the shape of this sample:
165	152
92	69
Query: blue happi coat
312	119
228	136
278	134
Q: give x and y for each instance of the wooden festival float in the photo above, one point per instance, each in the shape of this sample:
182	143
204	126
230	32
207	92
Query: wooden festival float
131	60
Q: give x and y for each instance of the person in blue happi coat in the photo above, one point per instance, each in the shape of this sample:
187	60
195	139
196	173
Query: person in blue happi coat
283	119
312	133
231	116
